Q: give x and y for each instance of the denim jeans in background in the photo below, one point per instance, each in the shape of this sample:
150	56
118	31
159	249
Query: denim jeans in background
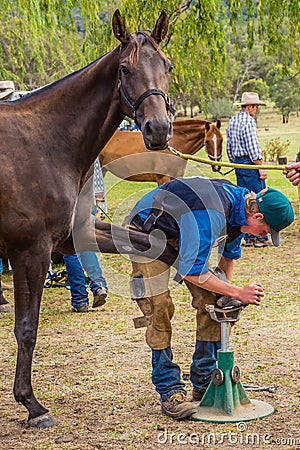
1	266
74	266
249	178
166	374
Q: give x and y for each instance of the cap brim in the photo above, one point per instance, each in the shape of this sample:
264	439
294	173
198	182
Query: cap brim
275	236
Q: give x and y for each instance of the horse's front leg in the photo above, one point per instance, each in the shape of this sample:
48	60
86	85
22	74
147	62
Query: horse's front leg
29	269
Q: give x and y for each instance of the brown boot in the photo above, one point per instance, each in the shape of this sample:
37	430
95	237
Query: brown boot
177	407
198	394
100	297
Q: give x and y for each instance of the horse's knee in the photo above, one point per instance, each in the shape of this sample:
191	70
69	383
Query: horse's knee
22	392
25	336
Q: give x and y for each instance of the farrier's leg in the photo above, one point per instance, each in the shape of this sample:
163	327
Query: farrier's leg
208	341
149	287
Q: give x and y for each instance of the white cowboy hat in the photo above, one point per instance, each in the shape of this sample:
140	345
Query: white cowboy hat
6	88
251	98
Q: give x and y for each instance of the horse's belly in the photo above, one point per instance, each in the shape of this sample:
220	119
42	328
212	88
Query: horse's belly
137	167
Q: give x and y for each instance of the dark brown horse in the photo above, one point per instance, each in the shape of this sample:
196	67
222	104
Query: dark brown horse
126	156
49	140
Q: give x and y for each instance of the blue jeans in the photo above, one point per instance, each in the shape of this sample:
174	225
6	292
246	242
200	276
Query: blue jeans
74	266
249	179
166	374
1	266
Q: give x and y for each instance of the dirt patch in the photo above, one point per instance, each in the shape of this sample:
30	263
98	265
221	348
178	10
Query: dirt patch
93	370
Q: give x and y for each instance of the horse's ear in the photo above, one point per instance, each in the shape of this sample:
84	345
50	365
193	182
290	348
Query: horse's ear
207	126
161	27
218	124
119	28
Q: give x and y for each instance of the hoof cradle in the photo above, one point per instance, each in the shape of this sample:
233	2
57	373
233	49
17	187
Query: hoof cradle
44	421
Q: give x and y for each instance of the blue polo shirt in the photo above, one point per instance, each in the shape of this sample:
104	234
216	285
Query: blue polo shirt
201	213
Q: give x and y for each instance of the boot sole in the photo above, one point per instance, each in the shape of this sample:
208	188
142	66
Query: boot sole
183	415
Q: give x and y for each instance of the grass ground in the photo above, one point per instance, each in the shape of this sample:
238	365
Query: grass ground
93	370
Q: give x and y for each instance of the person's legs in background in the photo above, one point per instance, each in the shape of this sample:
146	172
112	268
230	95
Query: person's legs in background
98	283
79	294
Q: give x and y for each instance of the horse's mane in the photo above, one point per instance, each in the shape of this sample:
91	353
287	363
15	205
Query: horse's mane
137	43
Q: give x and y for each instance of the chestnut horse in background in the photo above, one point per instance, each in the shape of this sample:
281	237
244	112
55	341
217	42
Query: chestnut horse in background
49	140
126	156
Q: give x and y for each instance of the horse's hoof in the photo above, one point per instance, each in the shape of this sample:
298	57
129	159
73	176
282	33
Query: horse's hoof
5	308
43	421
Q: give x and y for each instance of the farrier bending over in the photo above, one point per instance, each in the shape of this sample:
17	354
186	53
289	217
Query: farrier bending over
197	214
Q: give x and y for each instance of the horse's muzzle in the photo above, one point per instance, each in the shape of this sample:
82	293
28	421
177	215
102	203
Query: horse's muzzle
157	134
215	168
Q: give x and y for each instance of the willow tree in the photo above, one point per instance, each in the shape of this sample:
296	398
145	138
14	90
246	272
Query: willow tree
42	40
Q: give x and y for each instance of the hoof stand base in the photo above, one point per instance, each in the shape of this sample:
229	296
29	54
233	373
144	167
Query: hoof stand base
226	400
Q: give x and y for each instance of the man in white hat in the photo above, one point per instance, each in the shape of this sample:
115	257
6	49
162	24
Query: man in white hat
243	148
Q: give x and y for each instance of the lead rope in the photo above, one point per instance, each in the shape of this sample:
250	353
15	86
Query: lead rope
231	165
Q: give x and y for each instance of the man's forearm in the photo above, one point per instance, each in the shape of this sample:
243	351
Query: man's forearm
226	265
212	283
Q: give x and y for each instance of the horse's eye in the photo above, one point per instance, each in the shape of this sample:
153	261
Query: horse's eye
124	70
170	69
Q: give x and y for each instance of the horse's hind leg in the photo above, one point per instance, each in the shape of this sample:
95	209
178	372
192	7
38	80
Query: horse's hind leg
29	268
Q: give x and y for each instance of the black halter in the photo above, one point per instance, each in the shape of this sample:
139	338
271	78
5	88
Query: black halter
134	106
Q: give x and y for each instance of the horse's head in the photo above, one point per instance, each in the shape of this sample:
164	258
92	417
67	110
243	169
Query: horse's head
213	143
143	80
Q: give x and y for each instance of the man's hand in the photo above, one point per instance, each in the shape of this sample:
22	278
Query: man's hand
252	294
292	173
263	174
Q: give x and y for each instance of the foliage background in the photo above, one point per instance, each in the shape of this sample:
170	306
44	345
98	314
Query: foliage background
215	46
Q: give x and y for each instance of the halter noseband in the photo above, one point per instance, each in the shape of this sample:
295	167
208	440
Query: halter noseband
134	106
